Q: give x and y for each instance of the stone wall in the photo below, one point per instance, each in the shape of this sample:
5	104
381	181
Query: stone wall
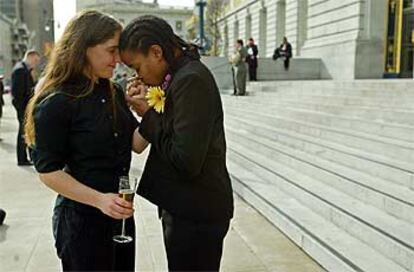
300	69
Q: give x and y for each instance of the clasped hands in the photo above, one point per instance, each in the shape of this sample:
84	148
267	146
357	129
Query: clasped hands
135	96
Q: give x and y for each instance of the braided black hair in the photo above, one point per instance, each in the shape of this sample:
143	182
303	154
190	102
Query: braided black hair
145	31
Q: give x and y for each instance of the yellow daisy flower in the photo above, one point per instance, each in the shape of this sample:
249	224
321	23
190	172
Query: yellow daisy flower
156	98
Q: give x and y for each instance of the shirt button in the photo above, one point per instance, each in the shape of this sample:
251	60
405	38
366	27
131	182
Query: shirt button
103	100
116	135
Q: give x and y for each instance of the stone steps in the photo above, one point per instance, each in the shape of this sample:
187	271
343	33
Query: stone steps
388	115
394	199
332	165
394	131
388	235
334	248
393	148
396	172
364	87
393	102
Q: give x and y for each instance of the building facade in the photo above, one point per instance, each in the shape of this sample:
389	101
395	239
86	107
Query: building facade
347	35
38	16
5	46
10	8
127	10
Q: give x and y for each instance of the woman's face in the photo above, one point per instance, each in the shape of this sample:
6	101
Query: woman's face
103	57
151	67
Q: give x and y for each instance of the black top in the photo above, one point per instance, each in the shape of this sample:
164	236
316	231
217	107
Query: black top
186	171
288	49
1	94
251	59
84	137
22	85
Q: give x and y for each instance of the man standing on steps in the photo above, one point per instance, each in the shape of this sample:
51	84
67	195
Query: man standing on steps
238	60
2	216
252	59
1	99
22	91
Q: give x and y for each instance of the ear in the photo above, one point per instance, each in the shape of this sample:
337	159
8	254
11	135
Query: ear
156	51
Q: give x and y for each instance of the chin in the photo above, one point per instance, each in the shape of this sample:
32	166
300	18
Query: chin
106	75
152	82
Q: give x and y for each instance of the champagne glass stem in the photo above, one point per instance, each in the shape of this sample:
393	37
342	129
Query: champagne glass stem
123	227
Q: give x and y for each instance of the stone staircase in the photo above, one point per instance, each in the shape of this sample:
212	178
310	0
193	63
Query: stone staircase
330	163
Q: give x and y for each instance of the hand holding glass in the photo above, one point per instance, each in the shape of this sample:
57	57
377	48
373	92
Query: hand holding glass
127	188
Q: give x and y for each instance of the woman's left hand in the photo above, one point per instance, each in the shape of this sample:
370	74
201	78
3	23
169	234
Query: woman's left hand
138	104
135	97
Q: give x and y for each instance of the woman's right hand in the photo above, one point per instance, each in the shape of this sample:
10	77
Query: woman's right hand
114	206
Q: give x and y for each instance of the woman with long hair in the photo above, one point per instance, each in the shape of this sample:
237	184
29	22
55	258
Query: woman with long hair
185	174
82	132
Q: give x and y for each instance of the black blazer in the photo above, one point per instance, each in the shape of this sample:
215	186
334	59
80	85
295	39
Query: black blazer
1	93
22	86
252	59
186	172
288	49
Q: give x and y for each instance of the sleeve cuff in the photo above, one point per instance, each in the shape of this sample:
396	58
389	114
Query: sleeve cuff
149	125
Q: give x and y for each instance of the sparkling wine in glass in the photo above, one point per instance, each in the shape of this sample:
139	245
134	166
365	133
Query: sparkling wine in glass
127	188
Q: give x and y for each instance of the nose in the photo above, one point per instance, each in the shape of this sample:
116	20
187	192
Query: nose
117	58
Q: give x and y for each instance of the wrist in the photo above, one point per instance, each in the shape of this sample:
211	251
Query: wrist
97	199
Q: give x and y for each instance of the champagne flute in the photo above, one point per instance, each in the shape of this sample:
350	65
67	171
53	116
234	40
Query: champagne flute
127	188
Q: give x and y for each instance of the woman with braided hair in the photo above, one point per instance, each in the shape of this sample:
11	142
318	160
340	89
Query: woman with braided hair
185	173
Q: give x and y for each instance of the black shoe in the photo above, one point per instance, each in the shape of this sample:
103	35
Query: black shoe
2	216
25	163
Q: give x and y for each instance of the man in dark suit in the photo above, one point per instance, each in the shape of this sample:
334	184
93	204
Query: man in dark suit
1	98
22	91
285	51
252	59
2	216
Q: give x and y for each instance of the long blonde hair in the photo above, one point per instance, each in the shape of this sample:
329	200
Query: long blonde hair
68	59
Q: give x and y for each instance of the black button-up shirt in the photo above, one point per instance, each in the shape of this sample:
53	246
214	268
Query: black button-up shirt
84	136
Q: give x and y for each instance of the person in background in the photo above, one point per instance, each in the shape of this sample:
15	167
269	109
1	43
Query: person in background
2	212
1	99
22	90
251	59
2	216
284	51
238	60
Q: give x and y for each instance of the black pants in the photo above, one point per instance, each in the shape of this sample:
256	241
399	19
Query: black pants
84	241
252	73
286	63
21	147
280	53
193	246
